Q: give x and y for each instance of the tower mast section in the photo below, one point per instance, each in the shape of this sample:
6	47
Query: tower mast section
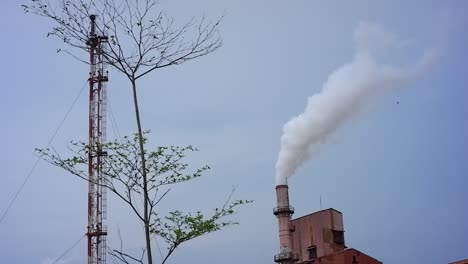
97	193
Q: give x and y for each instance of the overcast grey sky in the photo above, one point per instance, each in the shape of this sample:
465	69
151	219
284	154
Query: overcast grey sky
397	172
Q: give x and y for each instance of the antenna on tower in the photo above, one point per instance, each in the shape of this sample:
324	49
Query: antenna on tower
97	193
321	202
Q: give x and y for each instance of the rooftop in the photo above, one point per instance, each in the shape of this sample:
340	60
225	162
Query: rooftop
318	212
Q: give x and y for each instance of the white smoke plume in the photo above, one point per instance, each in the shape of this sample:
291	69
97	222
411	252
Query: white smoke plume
348	90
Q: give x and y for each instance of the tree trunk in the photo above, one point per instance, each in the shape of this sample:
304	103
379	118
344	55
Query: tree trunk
143	166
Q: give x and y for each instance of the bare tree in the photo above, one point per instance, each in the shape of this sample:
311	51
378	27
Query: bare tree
142	39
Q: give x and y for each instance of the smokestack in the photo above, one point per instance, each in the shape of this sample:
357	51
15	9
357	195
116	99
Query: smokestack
283	212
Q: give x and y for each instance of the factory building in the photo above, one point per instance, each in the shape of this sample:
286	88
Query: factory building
465	261
316	238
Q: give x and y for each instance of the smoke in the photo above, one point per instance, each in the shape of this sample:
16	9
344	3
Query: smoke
348	90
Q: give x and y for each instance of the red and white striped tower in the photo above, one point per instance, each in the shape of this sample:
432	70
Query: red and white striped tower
97	196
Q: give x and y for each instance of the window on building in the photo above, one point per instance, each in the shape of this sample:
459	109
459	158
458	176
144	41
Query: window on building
312	252
338	236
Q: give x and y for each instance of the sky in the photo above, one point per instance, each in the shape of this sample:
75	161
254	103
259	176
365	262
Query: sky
395	171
